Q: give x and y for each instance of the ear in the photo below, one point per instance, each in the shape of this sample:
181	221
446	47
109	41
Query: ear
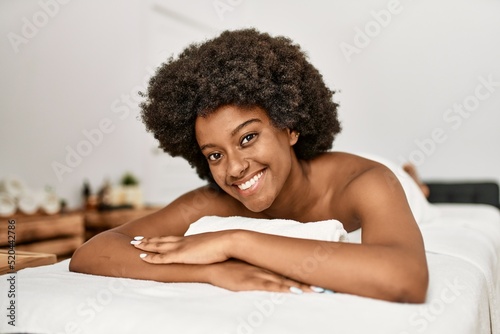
293	136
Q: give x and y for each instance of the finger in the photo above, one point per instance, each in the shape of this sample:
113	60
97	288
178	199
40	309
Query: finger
168	238
142	240
157	247
299	288
158	244
285	287
156	258
310	288
295	286
285	284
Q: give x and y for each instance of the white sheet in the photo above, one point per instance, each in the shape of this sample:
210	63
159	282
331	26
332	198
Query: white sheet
463	245
457	231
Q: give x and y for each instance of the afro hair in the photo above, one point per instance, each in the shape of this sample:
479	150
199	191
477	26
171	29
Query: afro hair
244	68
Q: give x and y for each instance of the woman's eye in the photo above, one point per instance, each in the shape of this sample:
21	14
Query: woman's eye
248	138
214	156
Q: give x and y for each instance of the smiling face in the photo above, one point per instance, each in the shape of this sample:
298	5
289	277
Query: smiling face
248	157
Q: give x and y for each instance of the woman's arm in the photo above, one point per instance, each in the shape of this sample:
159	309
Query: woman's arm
390	263
110	253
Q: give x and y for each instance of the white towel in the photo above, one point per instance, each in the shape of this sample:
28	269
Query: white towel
28	202
7	205
327	230
12	185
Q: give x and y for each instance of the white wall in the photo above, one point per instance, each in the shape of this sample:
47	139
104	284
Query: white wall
62	80
90	56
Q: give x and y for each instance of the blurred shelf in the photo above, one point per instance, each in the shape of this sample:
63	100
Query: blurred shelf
24	260
99	221
59	234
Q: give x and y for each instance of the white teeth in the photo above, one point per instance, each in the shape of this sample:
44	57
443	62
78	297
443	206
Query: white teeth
250	182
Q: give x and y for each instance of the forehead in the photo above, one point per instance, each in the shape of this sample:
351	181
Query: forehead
226	119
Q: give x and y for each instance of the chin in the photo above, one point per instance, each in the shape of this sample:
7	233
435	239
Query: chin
257	206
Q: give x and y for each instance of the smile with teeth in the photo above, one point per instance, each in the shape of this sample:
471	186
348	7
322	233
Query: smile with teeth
251	182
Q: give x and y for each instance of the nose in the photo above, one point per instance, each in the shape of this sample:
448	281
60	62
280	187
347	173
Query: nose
237	165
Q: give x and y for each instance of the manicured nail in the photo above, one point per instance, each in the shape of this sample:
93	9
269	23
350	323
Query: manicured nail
143	255
138	238
329	291
295	290
317	289
135	242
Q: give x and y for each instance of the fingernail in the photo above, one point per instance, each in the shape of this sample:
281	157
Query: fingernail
135	242
295	290
329	291
143	255
317	289
138	238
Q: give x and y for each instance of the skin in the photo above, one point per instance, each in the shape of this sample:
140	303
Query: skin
412	171
240	144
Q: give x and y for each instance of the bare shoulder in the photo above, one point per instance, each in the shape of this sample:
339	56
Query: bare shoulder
344	162
377	201
359	188
347	169
175	218
343	171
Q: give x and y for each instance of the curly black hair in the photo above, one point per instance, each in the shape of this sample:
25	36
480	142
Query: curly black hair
245	68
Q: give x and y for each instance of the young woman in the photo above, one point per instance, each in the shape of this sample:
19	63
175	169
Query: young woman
255	119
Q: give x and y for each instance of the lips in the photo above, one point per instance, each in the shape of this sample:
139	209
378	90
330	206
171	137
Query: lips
246	185
253	193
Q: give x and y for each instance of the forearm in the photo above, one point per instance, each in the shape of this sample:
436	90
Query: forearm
381	272
110	254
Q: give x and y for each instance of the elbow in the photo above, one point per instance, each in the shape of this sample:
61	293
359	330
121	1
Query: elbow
411	287
101	255
414	294
87	259
84	258
77	262
403	283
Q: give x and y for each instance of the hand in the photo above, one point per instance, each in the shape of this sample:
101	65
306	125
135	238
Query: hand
204	248
236	275
210	248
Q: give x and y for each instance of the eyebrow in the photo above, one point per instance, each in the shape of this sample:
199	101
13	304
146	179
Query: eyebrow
235	131
242	125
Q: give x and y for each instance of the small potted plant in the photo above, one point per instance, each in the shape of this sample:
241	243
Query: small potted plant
132	193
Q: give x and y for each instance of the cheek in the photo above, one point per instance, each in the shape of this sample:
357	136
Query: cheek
218	175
